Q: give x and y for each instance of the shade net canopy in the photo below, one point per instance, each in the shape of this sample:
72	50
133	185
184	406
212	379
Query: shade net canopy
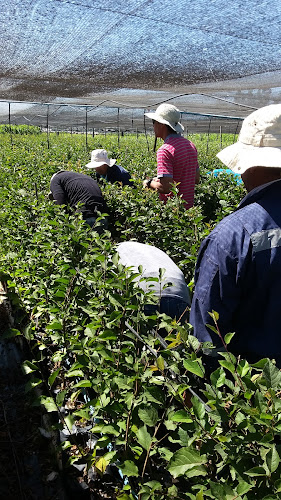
142	52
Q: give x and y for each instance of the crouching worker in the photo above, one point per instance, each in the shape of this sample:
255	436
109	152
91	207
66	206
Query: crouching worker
174	300
71	188
107	169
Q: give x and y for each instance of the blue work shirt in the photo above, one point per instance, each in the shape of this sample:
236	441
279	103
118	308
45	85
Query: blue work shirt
238	275
116	173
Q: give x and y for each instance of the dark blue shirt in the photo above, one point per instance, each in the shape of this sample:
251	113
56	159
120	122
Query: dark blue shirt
116	173
238	275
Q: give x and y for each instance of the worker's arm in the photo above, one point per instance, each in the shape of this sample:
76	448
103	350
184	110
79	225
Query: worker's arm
57	192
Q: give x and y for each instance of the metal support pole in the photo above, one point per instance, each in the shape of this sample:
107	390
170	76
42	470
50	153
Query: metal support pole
47	125
208	135
11	135
235	133
86	126
118	125
144	124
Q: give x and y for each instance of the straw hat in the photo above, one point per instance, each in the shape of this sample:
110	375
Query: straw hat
169	115
99	157
259	142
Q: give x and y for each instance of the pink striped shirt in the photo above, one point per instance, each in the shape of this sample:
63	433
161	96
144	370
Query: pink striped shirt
177	158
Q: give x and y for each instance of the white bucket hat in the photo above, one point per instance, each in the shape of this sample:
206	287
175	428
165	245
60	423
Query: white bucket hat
259	142
99	157
169	115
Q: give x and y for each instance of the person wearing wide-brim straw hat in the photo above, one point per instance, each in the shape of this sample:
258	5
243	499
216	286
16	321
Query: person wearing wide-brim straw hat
238	271
177	161
107	169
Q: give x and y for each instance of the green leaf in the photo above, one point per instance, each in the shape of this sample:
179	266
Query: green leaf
277	486
69	421
54	325
256	471
155	395
272	459
183	460
49	404
83	383
83	413
270	497
129	469
226	364
228	337
144	438
199	470
243	368
198	408
243	487
34	382
28	367
193	366
218	377
53	377
214	315
74	373
148	416
272	375
12	332
200	495
160	363
101	464
106	429
261	363
60	397
213	328
222	491
181	416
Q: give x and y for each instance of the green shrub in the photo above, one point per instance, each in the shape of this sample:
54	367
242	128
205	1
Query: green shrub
172	430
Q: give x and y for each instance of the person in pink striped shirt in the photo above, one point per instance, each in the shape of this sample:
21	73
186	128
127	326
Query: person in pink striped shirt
177	161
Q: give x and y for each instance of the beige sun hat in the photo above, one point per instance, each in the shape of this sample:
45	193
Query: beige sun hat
259	141
169	115
99	157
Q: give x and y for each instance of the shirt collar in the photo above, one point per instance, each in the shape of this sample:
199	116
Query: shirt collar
255	193
172	135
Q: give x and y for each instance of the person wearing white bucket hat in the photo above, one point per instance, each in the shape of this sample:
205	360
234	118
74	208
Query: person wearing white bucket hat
107	169
238	270
176	159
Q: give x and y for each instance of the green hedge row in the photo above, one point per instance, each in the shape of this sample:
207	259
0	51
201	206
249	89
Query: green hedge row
150	412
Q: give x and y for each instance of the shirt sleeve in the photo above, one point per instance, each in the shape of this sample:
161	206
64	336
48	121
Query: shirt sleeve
164	163
217	288
58	192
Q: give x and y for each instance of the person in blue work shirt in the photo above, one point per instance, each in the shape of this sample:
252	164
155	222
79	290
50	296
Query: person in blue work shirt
107	169
238	271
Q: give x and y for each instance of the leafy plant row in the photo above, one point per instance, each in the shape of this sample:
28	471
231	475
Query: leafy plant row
145	413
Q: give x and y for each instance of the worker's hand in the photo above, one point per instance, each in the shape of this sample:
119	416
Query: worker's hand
145	182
